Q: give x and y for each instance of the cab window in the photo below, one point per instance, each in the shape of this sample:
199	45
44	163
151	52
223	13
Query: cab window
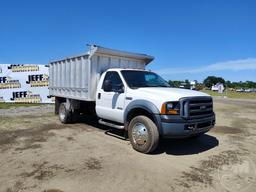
115	80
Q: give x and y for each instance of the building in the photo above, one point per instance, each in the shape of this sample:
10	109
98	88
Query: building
193	85
218	87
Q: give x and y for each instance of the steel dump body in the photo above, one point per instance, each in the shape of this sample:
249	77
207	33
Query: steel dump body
77	77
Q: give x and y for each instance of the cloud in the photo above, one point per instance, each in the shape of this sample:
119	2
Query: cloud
233	65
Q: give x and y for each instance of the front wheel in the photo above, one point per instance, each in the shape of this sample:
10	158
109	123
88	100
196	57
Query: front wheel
143	134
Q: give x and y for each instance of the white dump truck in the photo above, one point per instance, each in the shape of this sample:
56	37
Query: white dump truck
114	86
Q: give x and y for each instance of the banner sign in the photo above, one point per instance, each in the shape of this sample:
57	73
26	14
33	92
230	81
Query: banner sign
26	83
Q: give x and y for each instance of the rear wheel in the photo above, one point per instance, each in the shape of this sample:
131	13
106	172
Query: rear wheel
64	115
75	116
143	134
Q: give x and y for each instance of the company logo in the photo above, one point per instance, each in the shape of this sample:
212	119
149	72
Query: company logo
9	83
25	97
239	176
39	80
23	68
203	107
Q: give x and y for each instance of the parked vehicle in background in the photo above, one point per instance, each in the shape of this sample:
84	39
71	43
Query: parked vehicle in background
114	86
248	90
240	90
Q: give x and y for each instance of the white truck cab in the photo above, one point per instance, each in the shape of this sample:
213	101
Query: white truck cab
129	98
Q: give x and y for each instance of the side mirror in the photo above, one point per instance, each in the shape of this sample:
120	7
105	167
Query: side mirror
107	86
120	89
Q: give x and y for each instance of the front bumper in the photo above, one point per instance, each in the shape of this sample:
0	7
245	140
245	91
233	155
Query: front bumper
177	127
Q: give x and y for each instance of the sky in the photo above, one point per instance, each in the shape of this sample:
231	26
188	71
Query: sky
189	39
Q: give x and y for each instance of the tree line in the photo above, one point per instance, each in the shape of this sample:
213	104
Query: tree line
213	80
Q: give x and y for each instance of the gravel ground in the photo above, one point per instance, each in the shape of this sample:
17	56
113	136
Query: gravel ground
40	154
21	111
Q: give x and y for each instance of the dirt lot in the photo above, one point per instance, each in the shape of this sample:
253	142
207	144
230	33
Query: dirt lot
40	154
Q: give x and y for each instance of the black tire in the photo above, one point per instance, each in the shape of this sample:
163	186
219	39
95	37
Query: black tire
149	128
64	115
75	116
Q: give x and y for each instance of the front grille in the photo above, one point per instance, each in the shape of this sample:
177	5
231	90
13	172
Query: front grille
196	107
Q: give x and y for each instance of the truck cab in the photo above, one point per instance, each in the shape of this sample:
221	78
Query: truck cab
149	108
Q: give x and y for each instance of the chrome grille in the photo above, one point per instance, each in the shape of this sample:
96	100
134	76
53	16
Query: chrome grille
196	107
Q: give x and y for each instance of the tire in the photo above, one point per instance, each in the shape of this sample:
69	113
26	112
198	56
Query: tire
64	115
75	116
143	134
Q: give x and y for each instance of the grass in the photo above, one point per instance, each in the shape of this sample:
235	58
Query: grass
232	94
15	105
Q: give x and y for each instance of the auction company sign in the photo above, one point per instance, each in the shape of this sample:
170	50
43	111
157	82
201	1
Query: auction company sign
24	83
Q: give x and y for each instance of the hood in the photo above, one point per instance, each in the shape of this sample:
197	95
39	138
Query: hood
171	94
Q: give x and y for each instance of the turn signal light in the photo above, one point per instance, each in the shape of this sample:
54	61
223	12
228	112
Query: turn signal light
170	108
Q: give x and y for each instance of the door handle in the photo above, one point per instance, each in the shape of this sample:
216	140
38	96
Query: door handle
99	95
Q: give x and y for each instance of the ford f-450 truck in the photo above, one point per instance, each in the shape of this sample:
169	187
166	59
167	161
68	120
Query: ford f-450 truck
114	86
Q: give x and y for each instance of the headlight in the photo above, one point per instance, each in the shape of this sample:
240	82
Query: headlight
170	108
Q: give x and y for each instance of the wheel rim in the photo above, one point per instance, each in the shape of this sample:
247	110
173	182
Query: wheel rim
62	112
140	134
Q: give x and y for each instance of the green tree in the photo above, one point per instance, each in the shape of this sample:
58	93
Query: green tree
212	80
175	83
229	84
171	83
187	84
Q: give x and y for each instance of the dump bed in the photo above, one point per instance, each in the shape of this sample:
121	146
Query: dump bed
77	77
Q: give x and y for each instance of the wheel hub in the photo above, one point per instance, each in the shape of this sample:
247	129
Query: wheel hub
140	134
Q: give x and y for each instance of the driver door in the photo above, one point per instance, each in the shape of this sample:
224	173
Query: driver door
110	103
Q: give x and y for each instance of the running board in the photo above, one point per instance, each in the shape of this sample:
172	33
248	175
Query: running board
111	124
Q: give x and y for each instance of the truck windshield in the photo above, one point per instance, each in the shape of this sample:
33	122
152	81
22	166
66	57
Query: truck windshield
138	79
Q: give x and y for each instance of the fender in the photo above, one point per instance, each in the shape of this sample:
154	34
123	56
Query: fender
146	105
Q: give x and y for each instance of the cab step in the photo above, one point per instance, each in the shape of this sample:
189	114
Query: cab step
110	124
